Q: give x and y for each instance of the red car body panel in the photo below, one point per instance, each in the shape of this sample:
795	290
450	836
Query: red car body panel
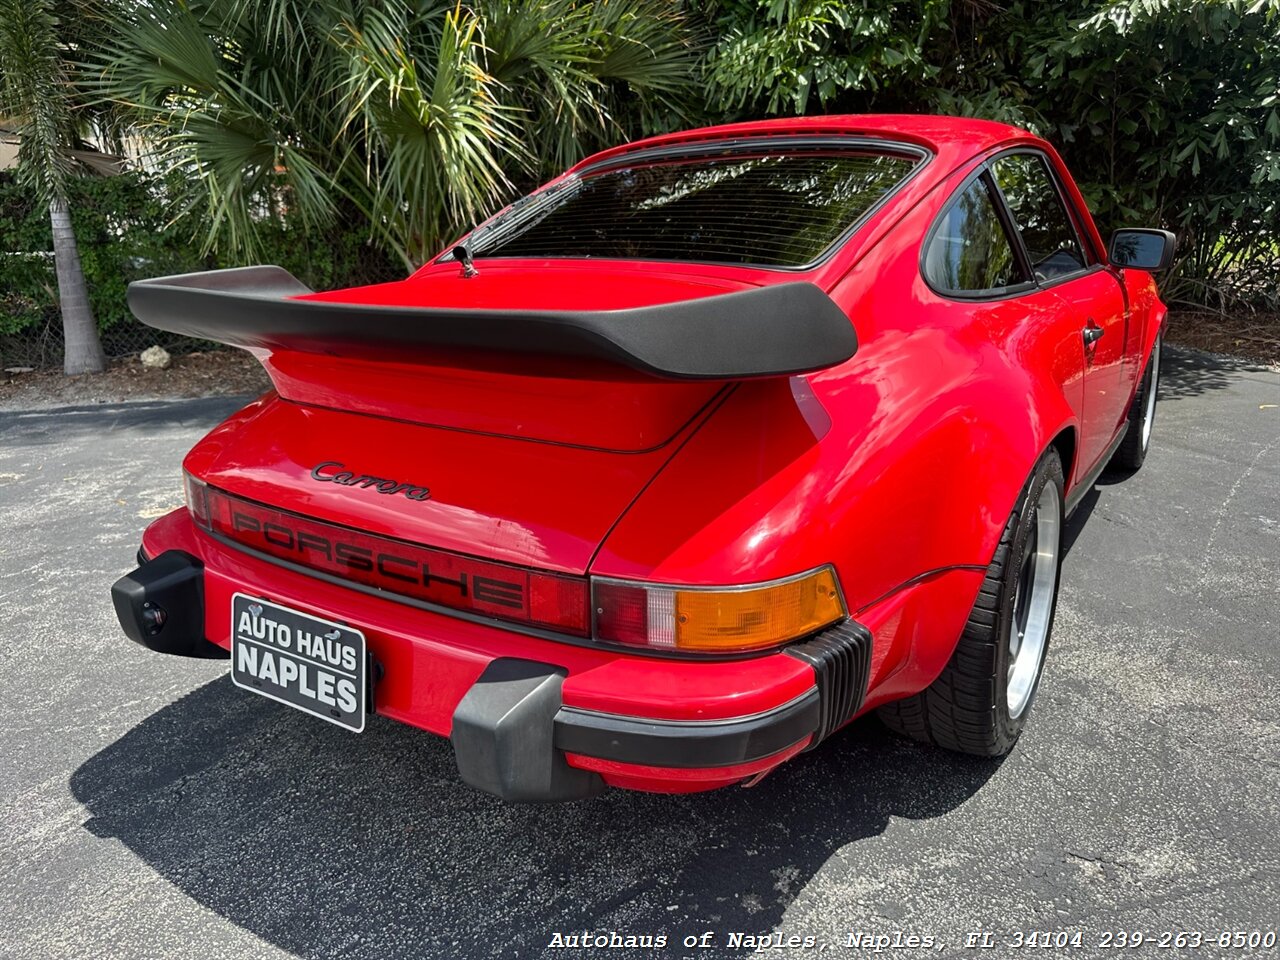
553	518
899	467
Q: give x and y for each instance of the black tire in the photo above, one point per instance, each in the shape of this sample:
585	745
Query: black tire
1137	438
967	708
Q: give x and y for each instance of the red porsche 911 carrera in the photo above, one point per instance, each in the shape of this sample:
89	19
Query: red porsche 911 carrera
675	466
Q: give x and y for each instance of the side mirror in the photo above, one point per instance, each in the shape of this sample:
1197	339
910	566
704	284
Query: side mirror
1144	249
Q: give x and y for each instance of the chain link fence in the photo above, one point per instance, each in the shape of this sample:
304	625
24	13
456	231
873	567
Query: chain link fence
39	347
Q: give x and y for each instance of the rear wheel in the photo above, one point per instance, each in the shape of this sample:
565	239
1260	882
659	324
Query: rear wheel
980	701
1142	414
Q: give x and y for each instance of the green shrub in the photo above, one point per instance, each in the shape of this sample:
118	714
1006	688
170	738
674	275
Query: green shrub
790	56
123	236
1165	110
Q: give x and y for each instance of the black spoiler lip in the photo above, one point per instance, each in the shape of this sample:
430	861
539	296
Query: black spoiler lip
774	330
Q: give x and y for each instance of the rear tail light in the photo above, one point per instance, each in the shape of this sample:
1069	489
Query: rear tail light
671	619
716	619
197	499
549	601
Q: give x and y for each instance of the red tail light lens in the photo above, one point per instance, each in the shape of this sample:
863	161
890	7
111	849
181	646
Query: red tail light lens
732	619
197	499
547	600
622	613
560	603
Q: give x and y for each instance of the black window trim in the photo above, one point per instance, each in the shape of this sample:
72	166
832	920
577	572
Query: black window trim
1011	234
983	171
922	157
1073	217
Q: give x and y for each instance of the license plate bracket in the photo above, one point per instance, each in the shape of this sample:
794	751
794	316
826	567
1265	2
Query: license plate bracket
309	663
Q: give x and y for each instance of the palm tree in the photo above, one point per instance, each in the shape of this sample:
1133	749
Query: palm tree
420	115
34	93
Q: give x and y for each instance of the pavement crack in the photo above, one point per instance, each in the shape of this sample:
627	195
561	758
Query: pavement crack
1222	513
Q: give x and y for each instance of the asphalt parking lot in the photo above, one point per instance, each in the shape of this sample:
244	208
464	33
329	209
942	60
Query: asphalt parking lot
149	809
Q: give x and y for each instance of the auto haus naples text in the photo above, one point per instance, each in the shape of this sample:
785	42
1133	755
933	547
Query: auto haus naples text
297	659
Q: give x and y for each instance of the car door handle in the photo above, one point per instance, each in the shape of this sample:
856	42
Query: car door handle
1092	333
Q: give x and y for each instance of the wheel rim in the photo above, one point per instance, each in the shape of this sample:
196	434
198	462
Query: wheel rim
1149	410
1033	600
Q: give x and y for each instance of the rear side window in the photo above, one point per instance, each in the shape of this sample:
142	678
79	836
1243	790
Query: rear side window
776	208
1041	218
969	251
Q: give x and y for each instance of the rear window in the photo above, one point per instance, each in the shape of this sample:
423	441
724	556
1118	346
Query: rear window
781	208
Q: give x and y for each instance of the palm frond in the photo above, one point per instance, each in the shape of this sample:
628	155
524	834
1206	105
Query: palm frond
589	74
421	114
216	108
34	95
436	136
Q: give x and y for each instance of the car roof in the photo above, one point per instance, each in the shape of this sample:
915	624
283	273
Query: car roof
952	142
953	137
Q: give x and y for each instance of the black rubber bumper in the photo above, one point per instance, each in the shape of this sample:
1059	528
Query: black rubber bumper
503	735
691	744
161	606
511	731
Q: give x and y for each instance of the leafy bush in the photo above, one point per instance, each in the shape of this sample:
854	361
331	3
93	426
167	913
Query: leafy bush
118	227
1166	110
786	56
123	235
296	132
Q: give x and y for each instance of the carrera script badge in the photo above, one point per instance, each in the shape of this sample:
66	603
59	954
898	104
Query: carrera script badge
334	471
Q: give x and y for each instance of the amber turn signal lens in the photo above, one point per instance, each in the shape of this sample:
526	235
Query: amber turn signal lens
717	619
762	617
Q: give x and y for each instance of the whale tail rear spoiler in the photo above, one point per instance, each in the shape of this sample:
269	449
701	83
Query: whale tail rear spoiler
775	330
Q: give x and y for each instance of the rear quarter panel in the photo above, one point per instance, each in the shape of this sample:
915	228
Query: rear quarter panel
900	466
1149	311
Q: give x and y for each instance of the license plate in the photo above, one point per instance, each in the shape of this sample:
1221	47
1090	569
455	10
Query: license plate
314	665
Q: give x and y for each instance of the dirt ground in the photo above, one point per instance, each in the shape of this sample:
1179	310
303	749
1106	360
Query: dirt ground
211	374
1249	336
1253	337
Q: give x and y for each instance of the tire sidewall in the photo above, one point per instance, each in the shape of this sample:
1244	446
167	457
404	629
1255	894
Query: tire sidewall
1150	386
1133	450
1047	471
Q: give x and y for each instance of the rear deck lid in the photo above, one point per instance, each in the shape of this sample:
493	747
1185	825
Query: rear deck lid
558	399
514	501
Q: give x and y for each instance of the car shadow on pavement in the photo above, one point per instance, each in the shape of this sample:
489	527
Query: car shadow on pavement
1084	509
329	845
1190	373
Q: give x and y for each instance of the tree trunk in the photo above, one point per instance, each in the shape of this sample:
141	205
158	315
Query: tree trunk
82	351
